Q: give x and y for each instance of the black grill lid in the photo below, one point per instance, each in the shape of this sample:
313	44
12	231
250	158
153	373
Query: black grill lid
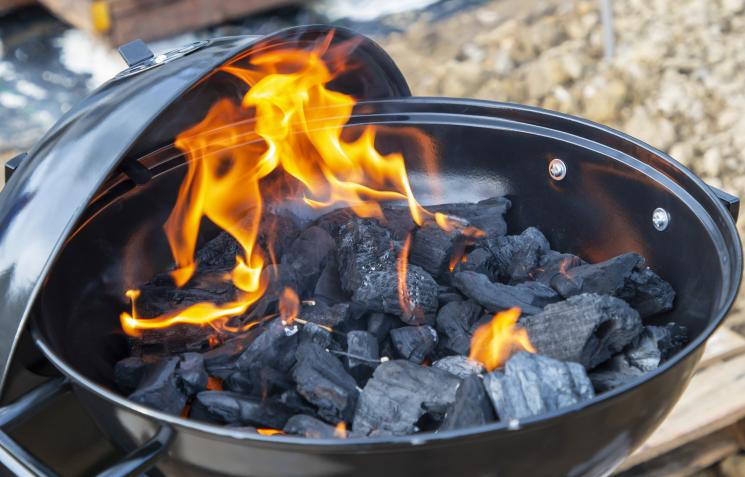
47	194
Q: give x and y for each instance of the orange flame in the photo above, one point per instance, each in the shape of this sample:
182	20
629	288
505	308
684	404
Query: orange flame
341	430
494	342
402	270
214	384
288	121
269	432
289	306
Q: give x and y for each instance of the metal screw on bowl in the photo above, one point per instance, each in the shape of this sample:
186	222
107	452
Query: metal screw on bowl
557	169
660	219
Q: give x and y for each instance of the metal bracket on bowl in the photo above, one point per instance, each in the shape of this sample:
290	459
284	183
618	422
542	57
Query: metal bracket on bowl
139	57
16	459
730	202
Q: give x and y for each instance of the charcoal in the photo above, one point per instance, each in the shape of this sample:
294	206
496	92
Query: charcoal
454	321
363	345
517	256
587	329
654	345
332	222
294	401
265	381
328	288
446	294
191	373
307	426
275	347
542	293
219	253
314	333
232	408
322	380
277	232
306	257
480	260
338	317
399	394
380	324
432	247
128	373
222	360
398	221
605	278
647	293
159	388
532	384
365	247
554	263
486	215
472	406
278	278
496	296
458	365
240	382
614	373
378	292
414	343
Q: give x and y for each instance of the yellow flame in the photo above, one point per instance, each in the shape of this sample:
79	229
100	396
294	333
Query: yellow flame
494	342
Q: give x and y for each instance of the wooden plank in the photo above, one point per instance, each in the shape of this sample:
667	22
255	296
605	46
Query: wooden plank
688	459
723	344
714	399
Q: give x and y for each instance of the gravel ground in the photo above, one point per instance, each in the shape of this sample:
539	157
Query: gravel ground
677	79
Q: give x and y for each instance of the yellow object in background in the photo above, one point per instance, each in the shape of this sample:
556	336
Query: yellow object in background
100	16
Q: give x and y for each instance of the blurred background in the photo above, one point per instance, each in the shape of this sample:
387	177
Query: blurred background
671	72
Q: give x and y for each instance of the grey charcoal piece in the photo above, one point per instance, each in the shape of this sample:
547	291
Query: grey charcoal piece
613	374
128	373
496	296
380	324
308	426
159	388
432	247
191	373
415	343
517	256
454	322
554	263
364	247
647	293
458	365
306	257
275	347
361	344
472	406
232	408
605	278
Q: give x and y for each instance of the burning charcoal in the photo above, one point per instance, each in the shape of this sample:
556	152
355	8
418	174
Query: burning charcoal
614	373
335	220
553	263
379	292
221	361
159	388
516	256
398	221
314	333
496	296
472	406
219	253
128	373
277	277
275	347
233	408
380	324
647	293
480	260
311	427
432	247
414	343
337	317
532	384
328	288
294	401
398	395
278	232
460	366
446	294
605	278
322	380
654	345
586	329
306	257
364	248
363	345
454	321
191	374
486	215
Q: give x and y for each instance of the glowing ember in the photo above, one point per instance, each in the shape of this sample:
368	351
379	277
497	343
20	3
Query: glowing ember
288	120
289	306
214	384
341	430
494	342
269	432
402	269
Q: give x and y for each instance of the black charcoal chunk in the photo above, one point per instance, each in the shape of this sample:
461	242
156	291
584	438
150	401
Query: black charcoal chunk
486	215
517	256
496	296
240	382
647	293
554	263
337	317
275	347
363	355
334	221
532	384
222	360
454	322
379	292
306	257
294	401
414	343
328	288
432	247
380	324
159	388
605	278
128	373
472	406
586	329
614	373
655	345
232	408
446	294
322	380
191	373
266	380
307	426
365	247
460	366
542	293
480	260
399	394
314	333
